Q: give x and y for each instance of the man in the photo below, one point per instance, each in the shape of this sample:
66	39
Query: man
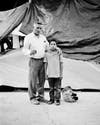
35	45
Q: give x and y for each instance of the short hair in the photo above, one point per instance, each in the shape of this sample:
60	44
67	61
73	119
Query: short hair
52	40
35	25
39	23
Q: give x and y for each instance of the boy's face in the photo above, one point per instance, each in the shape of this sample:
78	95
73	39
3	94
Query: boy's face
53	45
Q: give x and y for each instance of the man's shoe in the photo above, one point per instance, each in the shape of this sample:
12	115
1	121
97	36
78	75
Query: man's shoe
35	102
57	102
50	102
41	99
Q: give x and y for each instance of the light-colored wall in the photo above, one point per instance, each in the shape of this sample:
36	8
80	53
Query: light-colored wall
16	41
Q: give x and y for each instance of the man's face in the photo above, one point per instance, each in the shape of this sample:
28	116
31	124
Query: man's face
37	30
53	45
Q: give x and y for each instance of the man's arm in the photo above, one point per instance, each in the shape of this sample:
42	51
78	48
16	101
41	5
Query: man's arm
46	44
26	49
45	66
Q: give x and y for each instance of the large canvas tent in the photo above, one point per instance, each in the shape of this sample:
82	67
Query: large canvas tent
74	24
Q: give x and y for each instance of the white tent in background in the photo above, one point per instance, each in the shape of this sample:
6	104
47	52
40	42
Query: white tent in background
15	34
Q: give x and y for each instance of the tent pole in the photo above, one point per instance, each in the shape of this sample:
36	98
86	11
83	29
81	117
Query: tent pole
16	41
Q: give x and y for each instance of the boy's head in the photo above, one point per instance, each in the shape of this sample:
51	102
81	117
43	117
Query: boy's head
53	45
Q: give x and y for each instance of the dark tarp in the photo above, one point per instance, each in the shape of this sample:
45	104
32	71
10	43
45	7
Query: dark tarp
9	20
74	24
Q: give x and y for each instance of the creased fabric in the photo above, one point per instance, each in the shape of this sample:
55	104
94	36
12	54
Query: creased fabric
11	19
74	24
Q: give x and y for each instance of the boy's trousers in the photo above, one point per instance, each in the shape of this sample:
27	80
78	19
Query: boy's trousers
36	77
55	88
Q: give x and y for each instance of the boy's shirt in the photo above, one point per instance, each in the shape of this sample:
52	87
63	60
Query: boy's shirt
53	59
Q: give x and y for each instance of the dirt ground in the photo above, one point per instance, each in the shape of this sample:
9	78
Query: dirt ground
16	109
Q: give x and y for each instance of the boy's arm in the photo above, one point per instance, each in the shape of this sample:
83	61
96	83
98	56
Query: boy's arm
61	65
61	70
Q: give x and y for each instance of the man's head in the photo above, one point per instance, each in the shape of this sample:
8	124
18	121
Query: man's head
53	45
37	29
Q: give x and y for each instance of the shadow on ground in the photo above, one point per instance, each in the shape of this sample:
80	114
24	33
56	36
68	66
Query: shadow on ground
5	88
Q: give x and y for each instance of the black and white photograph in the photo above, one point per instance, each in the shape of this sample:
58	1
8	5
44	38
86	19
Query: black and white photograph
49	62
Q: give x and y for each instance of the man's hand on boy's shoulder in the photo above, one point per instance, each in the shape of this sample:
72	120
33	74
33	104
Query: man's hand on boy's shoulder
59	50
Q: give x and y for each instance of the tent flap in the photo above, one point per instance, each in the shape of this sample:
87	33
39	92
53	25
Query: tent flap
74	24
11	19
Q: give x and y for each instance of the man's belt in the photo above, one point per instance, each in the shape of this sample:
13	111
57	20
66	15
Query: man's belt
37	58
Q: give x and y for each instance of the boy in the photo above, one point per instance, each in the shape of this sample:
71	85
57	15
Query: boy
54	68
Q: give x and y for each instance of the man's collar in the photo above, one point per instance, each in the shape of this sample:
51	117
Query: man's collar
36	35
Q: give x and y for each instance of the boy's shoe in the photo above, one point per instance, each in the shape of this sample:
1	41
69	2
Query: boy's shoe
57	102
35	102
50	102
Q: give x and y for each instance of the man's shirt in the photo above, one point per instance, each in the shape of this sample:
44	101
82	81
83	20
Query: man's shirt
53	59
33	42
